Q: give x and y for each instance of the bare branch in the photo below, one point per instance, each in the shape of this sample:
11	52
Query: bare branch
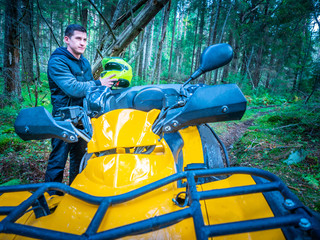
131	31
104	19
54	37
125	16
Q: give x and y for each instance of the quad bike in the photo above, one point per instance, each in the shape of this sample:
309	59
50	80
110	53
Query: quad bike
154	169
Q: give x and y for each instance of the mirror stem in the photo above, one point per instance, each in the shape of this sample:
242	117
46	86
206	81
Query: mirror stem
187	82
196	74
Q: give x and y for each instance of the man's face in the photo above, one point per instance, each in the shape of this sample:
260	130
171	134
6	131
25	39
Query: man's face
77	43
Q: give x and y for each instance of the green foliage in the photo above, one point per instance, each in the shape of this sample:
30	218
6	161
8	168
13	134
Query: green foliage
312	179
274	135
268	99
138	81
40	91
11	182
20	161
8	144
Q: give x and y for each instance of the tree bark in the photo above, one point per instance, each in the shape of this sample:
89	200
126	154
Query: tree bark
11	55
124	17
172	36
235	61
226	68
200	40
225	21
257	69
214	36
131	31
200	34
138	55
304	60
316	86
84	14
212	26
27	41
143	54
149	41
215	25
119	9
194	56
182	26
115	13
163	35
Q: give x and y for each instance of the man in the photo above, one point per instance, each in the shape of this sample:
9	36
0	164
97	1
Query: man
70	77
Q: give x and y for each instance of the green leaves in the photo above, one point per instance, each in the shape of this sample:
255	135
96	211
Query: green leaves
289	131
11	182
312	179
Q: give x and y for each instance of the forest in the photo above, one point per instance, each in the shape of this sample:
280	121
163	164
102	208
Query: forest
276	64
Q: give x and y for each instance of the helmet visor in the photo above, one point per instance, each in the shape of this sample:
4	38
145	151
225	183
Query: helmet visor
112	66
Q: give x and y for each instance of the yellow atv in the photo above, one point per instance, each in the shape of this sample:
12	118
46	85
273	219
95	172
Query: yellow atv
153	170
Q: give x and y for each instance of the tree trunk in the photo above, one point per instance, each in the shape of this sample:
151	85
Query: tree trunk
172	36
38	30
236	49
212	24
149	40
257	69
304	60
163	35
215	25
131	31
200	34
119	10
225	21
115	13
316	86
214	36
136	56
11	55
269	72
194	56
51	36
128	14
141	54
27	40
181	29
84	14
200	40
226	68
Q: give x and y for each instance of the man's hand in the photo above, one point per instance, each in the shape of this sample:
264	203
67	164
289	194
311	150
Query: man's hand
108	81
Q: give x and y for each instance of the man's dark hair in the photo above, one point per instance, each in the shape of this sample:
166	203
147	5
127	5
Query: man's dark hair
74	27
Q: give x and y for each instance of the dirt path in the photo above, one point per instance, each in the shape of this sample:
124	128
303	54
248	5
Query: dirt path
235	131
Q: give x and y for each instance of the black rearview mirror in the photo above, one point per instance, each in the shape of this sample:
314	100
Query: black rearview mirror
213	57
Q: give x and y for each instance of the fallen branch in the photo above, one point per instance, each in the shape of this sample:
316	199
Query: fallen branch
130	32
290	125
54	37
104	19
125	16
286	126
298	190
268	106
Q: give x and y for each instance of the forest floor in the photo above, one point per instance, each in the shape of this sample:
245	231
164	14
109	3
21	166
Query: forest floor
258	142
264	138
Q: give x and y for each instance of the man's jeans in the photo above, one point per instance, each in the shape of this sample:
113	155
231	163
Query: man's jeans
59	156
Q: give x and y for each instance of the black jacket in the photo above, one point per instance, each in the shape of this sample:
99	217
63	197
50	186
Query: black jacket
69	79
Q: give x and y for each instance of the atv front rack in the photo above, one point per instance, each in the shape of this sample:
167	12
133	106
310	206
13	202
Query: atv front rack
297	216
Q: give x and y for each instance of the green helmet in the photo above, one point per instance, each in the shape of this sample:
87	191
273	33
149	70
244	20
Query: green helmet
123	71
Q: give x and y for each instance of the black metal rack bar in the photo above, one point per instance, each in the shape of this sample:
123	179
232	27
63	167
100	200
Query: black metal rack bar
193	210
